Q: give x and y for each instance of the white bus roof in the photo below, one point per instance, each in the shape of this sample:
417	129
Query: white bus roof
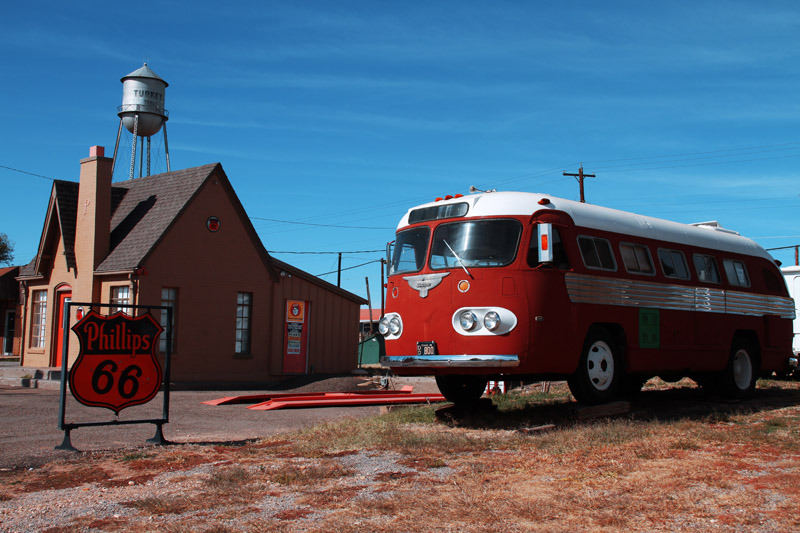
705	235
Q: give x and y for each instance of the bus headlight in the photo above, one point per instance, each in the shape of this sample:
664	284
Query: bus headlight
467	320
390	326
481	321
492	320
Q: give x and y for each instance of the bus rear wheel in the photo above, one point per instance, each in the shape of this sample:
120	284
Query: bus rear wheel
738	381
599	373
462	390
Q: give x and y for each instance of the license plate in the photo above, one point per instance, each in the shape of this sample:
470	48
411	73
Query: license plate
426	348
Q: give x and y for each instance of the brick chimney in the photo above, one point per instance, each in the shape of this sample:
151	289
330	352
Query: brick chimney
93	224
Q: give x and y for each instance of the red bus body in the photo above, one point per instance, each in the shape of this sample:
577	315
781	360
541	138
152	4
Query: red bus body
613	271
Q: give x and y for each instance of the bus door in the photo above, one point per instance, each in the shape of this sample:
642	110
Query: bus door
552	320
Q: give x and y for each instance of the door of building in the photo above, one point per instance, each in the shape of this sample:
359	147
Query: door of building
8	332
295	344
63	298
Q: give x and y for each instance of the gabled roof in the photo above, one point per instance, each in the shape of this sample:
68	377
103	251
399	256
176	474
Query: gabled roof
280	265
146	208
142	210
61	215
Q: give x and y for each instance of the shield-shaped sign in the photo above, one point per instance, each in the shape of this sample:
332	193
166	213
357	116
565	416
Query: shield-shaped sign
117	366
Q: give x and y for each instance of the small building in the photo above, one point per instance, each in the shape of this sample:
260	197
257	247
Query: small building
9	312
368	323
182	239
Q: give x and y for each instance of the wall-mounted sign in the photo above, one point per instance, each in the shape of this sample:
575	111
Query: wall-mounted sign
117	365
295	311
213	224
296	337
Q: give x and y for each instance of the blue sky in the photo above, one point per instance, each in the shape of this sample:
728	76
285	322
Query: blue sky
332	118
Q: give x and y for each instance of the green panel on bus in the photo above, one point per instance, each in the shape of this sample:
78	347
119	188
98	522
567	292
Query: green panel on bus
648	328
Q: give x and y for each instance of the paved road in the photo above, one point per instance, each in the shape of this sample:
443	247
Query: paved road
29	421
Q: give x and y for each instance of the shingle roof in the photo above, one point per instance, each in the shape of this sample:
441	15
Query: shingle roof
146	208
67	203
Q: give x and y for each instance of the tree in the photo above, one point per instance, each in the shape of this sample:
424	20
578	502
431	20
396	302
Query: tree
6	250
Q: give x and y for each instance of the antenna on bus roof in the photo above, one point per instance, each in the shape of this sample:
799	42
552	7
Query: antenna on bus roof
473	189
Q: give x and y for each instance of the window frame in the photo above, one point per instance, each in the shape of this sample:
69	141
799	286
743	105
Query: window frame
735	281
672	252
698	255
636	246
38	319
115	299
594	240
244	330
165	302
468	261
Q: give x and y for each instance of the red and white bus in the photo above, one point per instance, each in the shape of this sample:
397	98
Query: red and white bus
512	285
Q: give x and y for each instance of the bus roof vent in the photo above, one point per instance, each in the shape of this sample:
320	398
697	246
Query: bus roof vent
714	225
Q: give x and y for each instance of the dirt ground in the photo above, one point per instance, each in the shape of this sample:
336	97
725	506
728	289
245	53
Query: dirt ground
29	419
676	461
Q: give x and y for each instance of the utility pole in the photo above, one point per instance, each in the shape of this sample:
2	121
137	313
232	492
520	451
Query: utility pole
580	175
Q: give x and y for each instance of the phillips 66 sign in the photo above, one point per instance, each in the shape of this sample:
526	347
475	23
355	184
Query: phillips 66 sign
117	366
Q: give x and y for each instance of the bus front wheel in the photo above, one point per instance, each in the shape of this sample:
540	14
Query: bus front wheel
462	390
599	373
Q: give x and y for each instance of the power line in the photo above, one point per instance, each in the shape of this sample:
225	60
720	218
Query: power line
350	268
325	253
318	225
28	173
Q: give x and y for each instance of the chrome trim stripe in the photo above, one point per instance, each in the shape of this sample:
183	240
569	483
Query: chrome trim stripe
583	288
451	361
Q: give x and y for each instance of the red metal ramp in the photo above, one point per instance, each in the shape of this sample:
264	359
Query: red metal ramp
346	399
298	397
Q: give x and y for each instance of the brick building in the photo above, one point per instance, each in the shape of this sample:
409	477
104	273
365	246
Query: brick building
9	312
183	239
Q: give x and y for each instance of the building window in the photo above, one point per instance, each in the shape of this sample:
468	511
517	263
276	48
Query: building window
596	253
706	268
244	311
736	273
673	263
120	296
636	258
169	298
39	311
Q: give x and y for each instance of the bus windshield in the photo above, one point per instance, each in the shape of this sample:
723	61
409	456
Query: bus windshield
477	243
408	253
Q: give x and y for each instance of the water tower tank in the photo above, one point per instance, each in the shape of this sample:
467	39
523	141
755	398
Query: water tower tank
143	95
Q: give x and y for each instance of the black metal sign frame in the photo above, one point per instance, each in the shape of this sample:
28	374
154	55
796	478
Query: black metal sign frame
158	438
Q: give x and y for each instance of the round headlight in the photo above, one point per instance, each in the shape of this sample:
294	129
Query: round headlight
491	320
467	320
395	326
383	326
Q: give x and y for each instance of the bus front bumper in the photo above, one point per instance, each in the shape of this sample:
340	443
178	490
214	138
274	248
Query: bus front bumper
450	361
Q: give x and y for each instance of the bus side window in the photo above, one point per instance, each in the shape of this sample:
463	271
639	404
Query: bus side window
673	263
706	268
560	259
736	273
596	253
636	258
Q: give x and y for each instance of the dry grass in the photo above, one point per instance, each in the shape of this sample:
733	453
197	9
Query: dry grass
676	462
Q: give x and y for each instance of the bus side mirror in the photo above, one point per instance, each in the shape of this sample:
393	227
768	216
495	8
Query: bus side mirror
389	250
545	233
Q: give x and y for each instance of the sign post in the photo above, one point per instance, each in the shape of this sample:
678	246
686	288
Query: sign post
117	366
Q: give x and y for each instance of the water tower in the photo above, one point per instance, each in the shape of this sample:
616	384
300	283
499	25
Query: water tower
142	113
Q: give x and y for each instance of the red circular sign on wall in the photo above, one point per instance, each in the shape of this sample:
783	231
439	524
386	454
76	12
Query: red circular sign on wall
213	224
